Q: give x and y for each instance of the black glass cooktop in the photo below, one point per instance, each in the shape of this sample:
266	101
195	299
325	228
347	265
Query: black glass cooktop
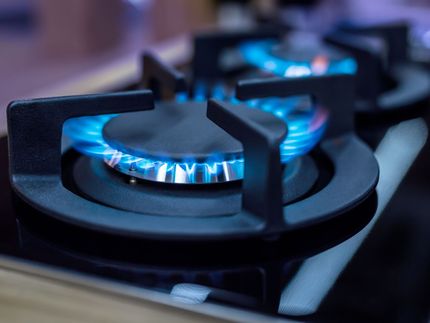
369	268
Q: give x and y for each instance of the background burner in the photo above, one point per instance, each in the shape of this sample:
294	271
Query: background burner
297	59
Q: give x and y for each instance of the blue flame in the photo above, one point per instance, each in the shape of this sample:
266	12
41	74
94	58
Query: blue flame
306	127
86	134
258	54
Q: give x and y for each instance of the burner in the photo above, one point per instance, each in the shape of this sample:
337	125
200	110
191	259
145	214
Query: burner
100	201
298	59
297	55
185	147
387	82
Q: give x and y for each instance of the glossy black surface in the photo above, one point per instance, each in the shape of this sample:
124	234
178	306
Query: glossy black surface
366	268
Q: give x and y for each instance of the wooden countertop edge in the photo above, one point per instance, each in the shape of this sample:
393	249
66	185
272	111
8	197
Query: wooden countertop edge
29	290
47	293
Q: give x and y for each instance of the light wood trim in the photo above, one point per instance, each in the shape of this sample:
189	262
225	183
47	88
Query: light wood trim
27	295
31	292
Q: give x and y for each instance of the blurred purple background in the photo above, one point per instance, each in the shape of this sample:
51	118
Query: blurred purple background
44	43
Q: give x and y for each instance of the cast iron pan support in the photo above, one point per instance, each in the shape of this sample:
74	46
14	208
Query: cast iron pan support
262	187
394	34
349	155
368	55
387	81
334	92
35	129
156	74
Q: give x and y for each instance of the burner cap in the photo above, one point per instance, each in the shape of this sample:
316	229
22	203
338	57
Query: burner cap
180	135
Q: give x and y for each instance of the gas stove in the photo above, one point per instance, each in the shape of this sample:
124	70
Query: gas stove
228	184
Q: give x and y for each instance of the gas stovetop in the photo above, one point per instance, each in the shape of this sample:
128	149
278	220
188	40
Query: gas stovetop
237	184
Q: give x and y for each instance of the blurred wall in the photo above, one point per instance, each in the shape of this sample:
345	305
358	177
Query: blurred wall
172	18
76	27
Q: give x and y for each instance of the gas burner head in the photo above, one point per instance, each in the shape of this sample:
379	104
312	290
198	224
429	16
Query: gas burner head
184	146
187	148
